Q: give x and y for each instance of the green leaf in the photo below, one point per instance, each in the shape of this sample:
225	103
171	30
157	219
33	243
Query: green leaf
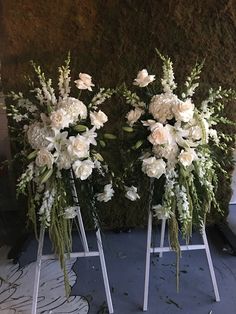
32	155
46	175
110	136
80	127
138	144
128	129
102	143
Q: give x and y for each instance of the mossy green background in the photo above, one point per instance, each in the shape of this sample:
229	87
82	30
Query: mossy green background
114	39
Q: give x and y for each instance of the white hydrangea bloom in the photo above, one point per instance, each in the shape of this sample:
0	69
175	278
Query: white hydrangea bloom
37	135
74	108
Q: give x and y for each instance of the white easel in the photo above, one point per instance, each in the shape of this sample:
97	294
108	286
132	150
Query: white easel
162	249
85	253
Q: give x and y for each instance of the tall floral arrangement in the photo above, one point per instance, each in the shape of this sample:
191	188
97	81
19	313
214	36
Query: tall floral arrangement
59	139
175	138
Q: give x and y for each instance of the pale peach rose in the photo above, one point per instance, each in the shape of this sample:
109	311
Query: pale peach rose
159	135
98	118
183	111
84	82
133	116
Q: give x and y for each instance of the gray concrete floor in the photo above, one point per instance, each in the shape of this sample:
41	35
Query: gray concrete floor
125	258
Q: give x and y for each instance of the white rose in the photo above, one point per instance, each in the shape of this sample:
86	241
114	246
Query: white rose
183	111
161	106
133	115
74	108
153	167
84	82
186	157
44	158
106	195
143	79
131	193
83	169
60	119
98	118
78	147
159	135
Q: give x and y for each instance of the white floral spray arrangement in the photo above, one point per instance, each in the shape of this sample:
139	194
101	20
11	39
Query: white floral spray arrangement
60	138
174	138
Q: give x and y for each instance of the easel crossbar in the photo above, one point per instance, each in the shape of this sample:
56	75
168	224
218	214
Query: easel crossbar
182	248
72	255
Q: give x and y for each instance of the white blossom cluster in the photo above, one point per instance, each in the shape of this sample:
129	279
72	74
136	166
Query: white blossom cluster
60	133
177	133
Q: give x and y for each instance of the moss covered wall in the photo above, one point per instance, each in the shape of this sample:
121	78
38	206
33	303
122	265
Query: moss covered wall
113	39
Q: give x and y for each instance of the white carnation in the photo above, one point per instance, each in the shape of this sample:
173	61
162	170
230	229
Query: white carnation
153	167
98	118
106	195
133	115
83	169
161	106
131	193
74	108
143	78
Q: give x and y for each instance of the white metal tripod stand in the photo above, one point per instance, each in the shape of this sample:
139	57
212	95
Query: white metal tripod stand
86	253
162	249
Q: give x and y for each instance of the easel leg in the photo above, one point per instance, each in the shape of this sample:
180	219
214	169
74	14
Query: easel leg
212	272
37	270
82	230
163	228
104	272
147	267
